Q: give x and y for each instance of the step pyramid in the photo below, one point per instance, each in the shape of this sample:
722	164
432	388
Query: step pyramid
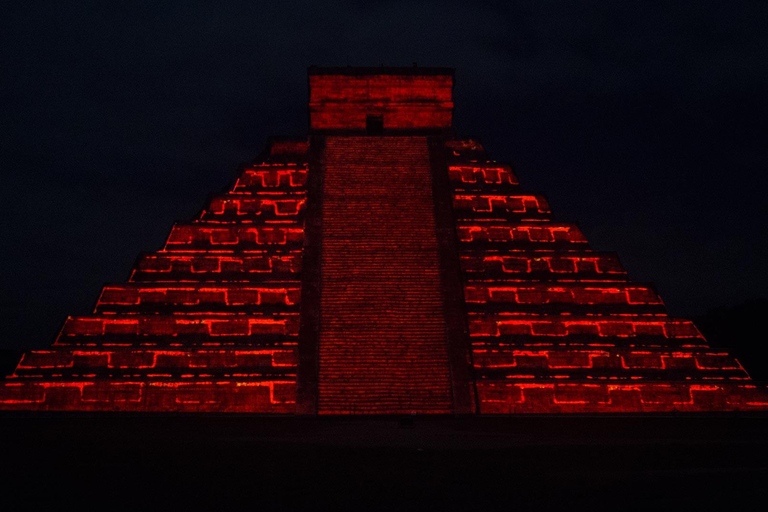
380	265
558	327
208	323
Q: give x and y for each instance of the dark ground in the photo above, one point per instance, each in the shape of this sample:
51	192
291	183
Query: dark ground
110	462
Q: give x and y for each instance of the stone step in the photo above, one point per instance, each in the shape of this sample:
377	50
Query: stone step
138	298
253	267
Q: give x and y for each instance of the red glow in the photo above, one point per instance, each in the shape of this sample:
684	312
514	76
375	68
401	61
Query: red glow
204	396
404	101
275	207
565	265
383	348
557	328
480	174
163	266
493	206
132	359
212	323
620	361
268	177
547	397
536	293
232	237
208	325
525	233
505	324
176	325
185	295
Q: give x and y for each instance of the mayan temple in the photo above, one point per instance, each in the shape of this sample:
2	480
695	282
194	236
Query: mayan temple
379	265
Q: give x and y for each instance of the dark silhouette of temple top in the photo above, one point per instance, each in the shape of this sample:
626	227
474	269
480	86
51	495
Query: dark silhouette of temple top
379	266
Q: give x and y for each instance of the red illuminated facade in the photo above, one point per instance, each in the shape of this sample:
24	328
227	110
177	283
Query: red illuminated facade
379	266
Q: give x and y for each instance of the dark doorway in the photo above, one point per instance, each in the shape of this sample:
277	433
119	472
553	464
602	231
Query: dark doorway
374	125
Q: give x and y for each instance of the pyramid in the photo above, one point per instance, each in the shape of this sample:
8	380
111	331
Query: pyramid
380	265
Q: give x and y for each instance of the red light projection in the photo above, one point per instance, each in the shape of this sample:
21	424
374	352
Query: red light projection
558	328
135	298
117	362
522	233
555	397
110	330
572	293
520	265
516	325
590	363
269	177
208	324
491	206
274	207
152	394
249	267
466	176
215	236
379	266
382	344
403	98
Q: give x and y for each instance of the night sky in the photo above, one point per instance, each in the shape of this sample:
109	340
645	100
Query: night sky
645	123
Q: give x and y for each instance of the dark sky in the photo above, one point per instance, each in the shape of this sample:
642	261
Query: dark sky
644	121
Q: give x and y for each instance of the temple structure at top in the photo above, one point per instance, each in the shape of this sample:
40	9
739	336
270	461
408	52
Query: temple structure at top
375	99
379	265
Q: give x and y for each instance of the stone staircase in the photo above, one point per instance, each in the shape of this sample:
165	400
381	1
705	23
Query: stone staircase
382	345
